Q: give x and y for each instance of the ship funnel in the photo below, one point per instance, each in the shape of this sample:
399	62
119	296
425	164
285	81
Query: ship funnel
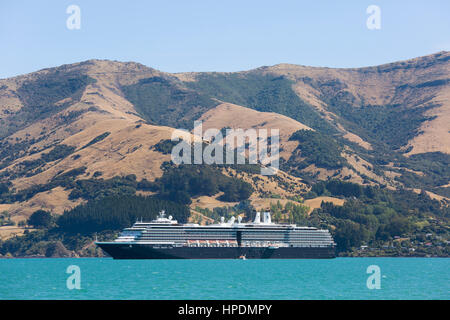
267	218
231	221
257	218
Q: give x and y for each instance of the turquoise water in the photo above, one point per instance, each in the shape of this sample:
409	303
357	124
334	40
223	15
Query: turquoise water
342	278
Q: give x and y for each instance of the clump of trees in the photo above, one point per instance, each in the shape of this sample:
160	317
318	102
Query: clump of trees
165	146
60	151
94	189
184	182
289	213
357	222
5	219
97	139
4	188
318	149
116	213
41	219
372	214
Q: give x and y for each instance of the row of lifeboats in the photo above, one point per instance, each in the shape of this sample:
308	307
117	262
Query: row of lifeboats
212	243
264	244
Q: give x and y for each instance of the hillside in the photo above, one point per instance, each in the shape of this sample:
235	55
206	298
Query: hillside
79	133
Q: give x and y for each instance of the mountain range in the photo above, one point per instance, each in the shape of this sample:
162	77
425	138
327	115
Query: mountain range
385	126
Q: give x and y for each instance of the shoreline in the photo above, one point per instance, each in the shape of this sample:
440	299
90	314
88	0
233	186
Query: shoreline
362	257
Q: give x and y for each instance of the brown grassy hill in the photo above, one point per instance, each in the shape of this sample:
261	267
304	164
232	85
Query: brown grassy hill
389	84
421	83
112	113
228	115
99	109
382	114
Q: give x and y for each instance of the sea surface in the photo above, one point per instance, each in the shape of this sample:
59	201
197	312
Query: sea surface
341	278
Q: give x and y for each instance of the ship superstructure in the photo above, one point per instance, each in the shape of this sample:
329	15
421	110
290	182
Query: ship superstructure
166	238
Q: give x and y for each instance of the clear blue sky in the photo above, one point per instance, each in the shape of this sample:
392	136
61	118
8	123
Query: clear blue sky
210	35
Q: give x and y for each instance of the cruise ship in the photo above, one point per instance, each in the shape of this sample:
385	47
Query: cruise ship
165	238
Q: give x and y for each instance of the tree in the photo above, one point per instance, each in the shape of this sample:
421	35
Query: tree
349	234
40	219
116	213
398	226
180	197
3	188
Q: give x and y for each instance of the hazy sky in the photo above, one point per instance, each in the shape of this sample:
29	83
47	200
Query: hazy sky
200	35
